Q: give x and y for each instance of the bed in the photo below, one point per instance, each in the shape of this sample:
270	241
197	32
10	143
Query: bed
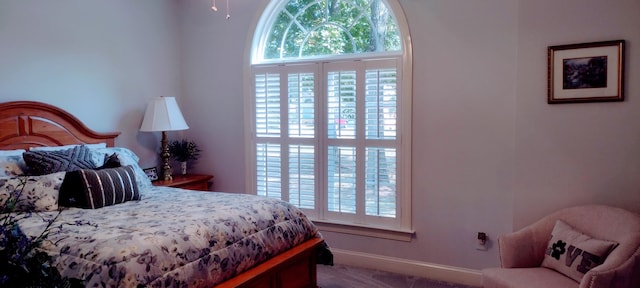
157	236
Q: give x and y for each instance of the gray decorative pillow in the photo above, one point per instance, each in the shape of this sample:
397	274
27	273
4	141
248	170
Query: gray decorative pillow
46	162
92	189
34	193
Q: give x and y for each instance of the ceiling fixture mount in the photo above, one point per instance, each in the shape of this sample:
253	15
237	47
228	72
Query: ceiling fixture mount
215	8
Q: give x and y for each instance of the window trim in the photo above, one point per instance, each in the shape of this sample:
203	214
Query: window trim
400	234
405	88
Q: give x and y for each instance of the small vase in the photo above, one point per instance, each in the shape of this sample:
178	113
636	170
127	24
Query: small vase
183	167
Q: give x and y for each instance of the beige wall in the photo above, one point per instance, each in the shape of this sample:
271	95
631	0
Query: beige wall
489	153
573	154
483	158
99	60
463	125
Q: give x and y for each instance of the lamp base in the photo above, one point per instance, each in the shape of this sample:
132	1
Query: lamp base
165	155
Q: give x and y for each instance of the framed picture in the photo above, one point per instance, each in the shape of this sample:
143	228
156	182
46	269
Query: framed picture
587	72
152	173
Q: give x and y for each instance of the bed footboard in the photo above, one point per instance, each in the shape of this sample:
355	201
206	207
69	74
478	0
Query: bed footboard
294	268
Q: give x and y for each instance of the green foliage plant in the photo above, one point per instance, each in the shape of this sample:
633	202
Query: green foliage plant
22	263
184	150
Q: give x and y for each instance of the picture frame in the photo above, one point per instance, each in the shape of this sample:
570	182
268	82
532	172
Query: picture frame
586	72
152	173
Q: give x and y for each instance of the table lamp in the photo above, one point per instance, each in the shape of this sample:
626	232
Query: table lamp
163	114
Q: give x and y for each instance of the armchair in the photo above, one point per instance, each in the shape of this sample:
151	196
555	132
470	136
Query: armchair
522	252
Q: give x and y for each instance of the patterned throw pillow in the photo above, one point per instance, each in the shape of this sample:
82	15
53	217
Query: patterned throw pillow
46	162
40	193
87	188
573	253
12	164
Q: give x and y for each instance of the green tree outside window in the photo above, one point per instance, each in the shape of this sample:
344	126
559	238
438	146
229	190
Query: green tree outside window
306	28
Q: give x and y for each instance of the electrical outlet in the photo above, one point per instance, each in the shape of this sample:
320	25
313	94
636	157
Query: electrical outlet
482	241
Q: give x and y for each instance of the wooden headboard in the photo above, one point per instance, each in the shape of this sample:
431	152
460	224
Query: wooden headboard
25	124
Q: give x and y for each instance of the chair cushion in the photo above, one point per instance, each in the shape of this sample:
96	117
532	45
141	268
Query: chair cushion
538	277
573	253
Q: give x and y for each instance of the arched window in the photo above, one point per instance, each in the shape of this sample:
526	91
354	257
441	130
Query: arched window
331	110
304	29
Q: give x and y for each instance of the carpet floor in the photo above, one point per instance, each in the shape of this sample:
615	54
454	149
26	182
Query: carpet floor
342	276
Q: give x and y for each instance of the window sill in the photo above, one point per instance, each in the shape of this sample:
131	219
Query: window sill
362	230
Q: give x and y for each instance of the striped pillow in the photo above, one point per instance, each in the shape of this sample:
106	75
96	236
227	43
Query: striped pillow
92	189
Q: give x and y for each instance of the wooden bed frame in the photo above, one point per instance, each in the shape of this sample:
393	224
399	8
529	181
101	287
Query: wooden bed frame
25	124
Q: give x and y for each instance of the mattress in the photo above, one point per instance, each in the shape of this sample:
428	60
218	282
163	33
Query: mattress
170	238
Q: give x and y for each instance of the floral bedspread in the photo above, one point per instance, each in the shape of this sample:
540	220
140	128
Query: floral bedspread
171	238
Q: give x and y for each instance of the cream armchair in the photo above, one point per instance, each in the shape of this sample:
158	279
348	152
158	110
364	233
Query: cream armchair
522	252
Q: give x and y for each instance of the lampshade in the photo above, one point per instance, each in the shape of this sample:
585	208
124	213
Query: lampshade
163	114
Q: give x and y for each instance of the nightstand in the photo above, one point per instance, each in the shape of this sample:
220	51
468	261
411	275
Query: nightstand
188	181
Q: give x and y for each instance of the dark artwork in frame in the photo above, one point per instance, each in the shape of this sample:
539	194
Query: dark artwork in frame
587	72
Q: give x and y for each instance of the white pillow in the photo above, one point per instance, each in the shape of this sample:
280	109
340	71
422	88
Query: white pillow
65	147
126	157
12	152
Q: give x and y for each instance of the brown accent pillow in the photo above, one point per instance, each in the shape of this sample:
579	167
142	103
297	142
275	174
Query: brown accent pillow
110	161
92	189
573	253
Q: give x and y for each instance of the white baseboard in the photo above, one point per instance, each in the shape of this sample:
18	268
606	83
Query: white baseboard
438	272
